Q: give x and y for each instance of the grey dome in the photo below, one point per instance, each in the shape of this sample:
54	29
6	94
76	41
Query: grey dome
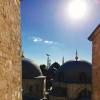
29	69
55	65
53	68
74	72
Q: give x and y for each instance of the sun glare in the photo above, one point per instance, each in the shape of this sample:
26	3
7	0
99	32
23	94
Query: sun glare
77	9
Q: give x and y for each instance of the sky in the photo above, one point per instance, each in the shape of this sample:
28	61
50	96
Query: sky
47	27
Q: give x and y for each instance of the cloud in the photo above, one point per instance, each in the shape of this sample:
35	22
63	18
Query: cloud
48	42
37	39
40	40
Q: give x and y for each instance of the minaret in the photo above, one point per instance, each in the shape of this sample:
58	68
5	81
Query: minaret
76	56
48	60
63	60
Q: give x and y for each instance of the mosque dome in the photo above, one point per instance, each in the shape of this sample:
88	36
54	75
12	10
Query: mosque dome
30	69
52	69
55	65
74	72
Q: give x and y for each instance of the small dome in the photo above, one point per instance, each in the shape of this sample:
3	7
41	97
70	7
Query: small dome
55	65
74	71
29	69
52	69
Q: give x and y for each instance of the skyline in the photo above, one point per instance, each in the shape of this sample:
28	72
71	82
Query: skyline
47	29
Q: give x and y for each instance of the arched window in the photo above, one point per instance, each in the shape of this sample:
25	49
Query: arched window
85	94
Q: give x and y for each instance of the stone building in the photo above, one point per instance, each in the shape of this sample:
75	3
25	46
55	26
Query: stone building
33	82
10	47
95	38
72	81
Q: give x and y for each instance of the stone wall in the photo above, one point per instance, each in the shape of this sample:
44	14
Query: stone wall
96	65
37	87
10	46
72	90
75	89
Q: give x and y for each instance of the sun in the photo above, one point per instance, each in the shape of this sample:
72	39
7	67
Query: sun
77	9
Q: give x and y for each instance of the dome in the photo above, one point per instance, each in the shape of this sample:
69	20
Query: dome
55	65
29	69
74	72
53	68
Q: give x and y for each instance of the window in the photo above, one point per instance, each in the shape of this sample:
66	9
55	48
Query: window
85	93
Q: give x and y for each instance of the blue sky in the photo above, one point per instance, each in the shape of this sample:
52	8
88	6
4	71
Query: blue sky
46	28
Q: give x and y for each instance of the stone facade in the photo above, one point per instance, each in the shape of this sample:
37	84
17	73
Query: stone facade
34	87
10	46
95	38
72	91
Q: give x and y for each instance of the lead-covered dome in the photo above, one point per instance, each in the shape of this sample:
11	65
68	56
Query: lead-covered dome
74	72
30	69
53	68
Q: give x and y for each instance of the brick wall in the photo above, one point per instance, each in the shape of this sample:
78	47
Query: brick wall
10	60
96	65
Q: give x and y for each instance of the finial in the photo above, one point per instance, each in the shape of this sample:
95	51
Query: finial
76	56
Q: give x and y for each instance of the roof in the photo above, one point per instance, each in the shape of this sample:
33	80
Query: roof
92	34
29	69
71	71
52	69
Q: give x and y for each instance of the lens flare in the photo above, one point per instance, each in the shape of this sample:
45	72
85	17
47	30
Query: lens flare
77	9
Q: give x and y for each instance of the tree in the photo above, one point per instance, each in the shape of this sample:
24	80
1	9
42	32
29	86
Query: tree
43	68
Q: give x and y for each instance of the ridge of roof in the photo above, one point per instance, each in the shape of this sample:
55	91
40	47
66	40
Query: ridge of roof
92	34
